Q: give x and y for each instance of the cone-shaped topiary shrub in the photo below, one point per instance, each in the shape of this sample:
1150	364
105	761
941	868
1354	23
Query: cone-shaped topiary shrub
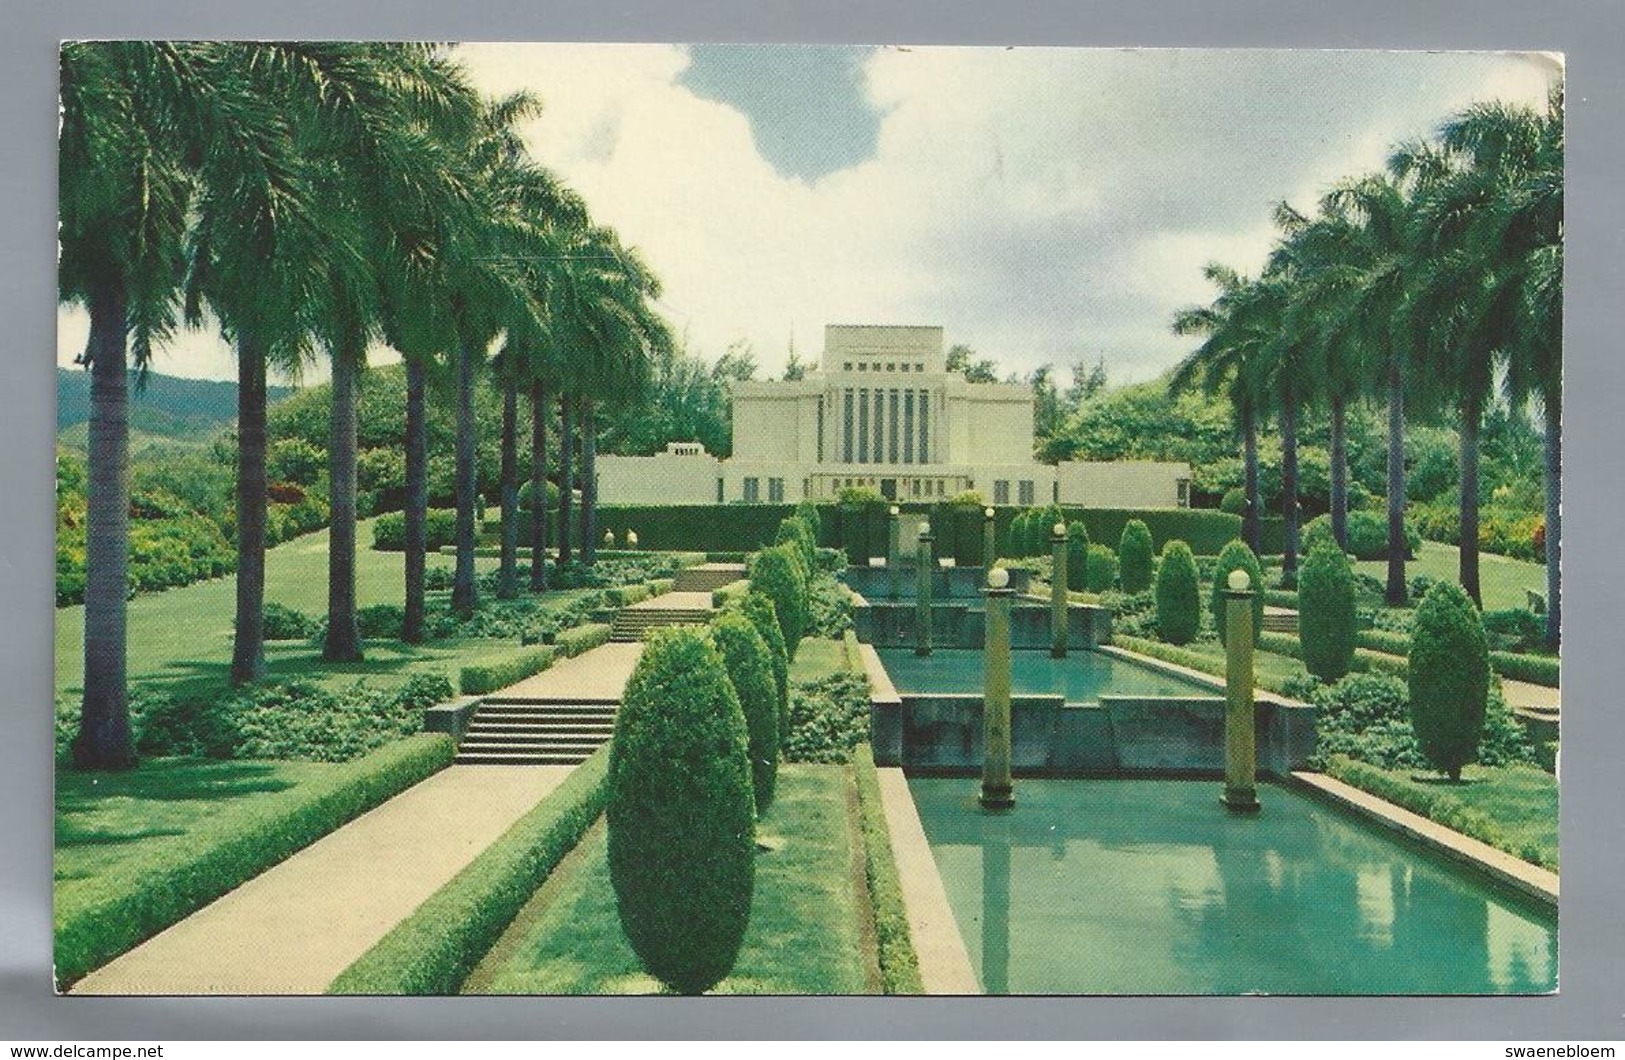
1042	529
1102	569
1237	556
762	614
1179	601
808	513
778	572
1315	532
1326	622
1077	557
750	668
796	533
1449	677
1134	556
682	845
1015	539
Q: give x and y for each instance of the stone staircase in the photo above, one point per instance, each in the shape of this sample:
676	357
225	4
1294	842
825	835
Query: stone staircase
688	608
707	577
1280	620
533	732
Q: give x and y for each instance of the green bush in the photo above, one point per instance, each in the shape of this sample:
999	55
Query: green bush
1237	556
1041	529
1326	625
1077	557
796	533
1234	501
758	607
750	668
1536	669
1449	678
682	848
125	909
828	718
1102	569
284	623
1179	604
572	642
1366	532
1384	641
488	677
1134	558
381	621
439	529
1317	531
435	948
899	964
808	513
1366	716
778	574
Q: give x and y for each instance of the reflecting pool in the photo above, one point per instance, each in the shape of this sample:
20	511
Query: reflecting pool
1079	678
1148	887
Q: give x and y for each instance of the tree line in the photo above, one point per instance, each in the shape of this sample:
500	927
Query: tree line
311	200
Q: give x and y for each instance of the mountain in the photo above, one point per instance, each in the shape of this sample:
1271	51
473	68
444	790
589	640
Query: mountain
164	406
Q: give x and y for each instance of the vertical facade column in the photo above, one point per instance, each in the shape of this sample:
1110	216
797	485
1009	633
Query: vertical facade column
1240	750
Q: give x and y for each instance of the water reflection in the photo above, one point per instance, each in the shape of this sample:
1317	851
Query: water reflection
1146	887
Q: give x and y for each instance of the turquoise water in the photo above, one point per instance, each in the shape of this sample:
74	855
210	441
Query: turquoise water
1079	678
1149	887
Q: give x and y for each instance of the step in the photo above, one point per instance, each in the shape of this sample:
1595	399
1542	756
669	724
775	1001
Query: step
506	758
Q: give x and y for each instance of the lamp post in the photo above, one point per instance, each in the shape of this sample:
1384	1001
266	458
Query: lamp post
990	547
922	591
1057	591
894	554
1240	752
996	789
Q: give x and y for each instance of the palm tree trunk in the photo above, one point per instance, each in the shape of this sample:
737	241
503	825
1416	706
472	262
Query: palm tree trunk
1471	417
1397	591
104	740
538	487
1251	524
464	593
416	514
566	483
1340	472
589	483
1553	401
343	637
1289	488
508	576
248	648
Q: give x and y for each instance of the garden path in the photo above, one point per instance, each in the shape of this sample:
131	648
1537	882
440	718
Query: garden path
295	927
599	674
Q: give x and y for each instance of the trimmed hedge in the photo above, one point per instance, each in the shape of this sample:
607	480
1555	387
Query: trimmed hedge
1101	565
1449	678
1135	556
1179	603
1194	660
750	669
440	530
682	844
778	574
1438	806
1326	622
572	642
488	677
899	964
1236	556
132	910
1536	669
1078	557
433	950
760	610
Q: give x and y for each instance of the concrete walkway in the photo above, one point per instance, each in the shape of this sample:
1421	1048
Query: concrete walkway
599	674
1524	694
295	927
945	966
674	601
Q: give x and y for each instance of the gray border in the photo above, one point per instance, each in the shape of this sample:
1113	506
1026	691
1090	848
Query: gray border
1593	933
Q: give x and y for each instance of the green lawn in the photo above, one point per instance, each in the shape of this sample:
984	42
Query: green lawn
1521	800
181	639
1267	665
804	935
1503	581
817	658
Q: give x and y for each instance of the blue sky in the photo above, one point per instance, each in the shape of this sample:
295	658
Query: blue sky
1041	204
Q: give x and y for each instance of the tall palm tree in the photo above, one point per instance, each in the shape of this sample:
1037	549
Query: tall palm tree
540	409
1221	366
141	123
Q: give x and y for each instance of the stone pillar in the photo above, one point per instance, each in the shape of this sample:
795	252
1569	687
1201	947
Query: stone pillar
1057	593
990	544
996	755
923	563
894	554
1240	753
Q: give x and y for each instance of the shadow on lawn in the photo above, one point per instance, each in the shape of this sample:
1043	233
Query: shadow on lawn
164	780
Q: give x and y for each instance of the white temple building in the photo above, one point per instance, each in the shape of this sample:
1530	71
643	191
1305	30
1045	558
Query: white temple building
883	411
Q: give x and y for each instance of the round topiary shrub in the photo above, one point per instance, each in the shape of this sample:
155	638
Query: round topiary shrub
1317	531
779	574
1134	556
682	845
1102	569
760	610
1326	621
1449	677
750	668
1234	501
1237	556
1077	557
1179	602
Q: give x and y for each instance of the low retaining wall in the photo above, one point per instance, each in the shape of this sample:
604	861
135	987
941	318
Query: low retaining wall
962	624
948	583
452	717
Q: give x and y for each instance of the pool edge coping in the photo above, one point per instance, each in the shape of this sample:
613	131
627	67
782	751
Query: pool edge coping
1530	880
945	964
